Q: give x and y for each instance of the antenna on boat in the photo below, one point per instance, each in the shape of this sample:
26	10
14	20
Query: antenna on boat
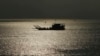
45	22
55	21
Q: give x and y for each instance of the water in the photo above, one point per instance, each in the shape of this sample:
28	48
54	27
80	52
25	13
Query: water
81	38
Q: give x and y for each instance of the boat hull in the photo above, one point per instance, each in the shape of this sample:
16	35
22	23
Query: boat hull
49	29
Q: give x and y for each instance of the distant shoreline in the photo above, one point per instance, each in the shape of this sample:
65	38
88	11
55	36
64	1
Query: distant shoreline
27	20
46	19
15	20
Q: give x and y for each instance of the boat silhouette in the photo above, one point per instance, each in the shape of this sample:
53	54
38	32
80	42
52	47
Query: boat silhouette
56	26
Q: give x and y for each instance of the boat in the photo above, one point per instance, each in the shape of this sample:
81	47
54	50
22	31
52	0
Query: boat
56	26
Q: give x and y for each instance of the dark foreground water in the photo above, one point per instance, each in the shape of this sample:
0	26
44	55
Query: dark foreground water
81	38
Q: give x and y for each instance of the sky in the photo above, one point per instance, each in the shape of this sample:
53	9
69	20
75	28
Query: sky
79	9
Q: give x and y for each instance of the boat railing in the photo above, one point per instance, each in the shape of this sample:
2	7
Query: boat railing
37	26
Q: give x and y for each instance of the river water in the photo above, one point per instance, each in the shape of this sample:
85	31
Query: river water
81	38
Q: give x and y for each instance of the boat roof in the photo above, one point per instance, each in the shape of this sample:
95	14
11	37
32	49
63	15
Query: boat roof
58	24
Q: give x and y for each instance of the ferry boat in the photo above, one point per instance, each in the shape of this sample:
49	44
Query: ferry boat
56	26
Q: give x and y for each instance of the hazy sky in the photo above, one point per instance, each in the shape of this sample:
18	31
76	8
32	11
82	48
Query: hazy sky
50	9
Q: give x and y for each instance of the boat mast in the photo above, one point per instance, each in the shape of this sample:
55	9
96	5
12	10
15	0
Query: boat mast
45	22
55	20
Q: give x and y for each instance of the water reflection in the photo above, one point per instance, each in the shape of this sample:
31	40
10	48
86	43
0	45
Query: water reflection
19	38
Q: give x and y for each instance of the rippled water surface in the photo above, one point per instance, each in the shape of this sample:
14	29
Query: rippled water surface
81	38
